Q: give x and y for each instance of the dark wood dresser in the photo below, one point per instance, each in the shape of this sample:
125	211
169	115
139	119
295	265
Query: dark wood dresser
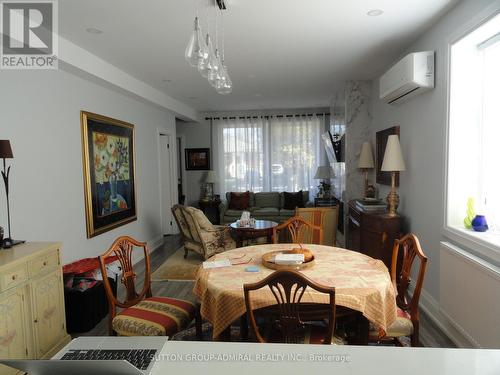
372	233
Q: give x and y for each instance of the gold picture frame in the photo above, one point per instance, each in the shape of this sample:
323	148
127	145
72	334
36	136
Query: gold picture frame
108	149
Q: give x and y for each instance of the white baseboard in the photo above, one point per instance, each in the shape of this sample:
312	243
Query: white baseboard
446	324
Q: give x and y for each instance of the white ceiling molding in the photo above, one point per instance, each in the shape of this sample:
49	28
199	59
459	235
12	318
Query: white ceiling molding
83	60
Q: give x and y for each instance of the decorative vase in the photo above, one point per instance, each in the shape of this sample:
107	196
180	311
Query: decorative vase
471	213
479	224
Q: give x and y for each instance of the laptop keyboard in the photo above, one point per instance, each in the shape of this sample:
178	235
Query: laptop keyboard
140	358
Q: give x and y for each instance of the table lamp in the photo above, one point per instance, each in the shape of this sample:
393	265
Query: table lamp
210	180
324	173
393	162
366	162
6	153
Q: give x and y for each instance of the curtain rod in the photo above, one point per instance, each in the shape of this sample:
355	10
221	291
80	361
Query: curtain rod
266	116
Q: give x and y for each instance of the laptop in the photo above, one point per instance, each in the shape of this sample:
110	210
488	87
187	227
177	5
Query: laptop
98	356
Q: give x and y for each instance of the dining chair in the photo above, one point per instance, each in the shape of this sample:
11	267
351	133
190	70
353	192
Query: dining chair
300	231
325	217
288	288
408	319
142	314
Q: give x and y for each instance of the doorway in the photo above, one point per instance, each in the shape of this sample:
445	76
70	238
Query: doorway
166	177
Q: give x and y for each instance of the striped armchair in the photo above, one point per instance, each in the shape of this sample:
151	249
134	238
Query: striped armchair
199	234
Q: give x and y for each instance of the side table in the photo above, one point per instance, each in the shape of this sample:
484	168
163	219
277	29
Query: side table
207	205
263	228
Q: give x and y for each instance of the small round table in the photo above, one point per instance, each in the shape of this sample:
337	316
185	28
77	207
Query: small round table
262	228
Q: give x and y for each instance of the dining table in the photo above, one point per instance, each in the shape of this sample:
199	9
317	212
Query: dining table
362	284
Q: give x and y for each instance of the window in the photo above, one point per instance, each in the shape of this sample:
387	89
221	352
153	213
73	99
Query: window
474	130
269	153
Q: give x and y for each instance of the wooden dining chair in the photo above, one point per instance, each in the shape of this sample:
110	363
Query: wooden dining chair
288	288
299	230
408	319
142	314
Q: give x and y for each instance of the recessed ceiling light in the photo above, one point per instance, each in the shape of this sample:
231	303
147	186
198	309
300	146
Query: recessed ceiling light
257	94
251	76
375	12
93	30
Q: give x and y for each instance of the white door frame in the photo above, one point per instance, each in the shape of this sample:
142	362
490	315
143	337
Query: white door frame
173	177
180	154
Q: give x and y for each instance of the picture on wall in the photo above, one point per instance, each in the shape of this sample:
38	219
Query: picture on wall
384	178
109	172
197	159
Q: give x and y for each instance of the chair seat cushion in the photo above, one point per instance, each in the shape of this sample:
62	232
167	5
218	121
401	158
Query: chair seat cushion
287	213
233	213
266	211
402	326
155	316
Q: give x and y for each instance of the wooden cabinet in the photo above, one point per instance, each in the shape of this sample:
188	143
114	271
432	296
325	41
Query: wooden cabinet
32	318
372	233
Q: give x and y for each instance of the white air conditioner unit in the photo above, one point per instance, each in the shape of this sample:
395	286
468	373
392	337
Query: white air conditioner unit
410	76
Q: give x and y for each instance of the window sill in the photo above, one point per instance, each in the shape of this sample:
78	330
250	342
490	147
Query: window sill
485	244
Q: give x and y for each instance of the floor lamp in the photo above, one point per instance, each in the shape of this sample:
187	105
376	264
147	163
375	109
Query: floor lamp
6	153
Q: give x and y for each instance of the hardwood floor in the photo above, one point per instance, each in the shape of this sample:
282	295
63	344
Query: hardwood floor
430	334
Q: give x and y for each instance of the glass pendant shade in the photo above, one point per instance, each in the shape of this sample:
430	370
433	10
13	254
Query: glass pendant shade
224	86
195	49
216	69
204	63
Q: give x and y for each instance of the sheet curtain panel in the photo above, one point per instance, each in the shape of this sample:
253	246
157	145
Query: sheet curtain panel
268	153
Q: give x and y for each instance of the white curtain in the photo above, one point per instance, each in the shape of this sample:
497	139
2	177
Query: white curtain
268	153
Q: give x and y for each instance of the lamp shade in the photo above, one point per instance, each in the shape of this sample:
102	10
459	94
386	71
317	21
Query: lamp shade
393	158
5	149
366	157
324	173
211	177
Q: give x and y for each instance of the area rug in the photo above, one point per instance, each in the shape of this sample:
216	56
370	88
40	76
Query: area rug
178	268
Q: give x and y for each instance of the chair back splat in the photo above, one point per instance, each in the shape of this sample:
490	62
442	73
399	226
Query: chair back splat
123	249
288	288
410	247
297	228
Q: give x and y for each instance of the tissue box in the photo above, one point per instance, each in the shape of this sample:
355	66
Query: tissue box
289	259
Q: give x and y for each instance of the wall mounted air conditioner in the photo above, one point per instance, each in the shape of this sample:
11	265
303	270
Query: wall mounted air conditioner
410	76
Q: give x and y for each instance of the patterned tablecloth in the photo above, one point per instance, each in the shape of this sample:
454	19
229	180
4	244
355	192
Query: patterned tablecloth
361	283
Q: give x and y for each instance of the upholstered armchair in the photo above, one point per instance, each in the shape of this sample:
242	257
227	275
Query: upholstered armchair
199	234
325	217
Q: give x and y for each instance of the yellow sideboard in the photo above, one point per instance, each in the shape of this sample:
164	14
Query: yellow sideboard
32	317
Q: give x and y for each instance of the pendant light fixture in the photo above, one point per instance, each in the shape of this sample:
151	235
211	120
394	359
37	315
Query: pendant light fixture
203	53
195	49
224	85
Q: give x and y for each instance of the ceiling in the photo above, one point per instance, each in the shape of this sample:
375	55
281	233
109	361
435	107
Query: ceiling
280	53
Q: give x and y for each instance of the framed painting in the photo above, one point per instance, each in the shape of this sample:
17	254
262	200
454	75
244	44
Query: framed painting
108	172
384	178
197	159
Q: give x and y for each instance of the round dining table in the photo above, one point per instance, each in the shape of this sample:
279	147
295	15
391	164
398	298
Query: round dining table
361	283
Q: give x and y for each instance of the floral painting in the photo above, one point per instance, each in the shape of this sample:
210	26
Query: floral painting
109	172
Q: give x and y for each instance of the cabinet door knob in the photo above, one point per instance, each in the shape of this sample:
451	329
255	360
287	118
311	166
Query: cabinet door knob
14	277
44	263
36	321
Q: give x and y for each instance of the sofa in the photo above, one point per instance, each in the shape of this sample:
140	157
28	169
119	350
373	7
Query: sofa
262	206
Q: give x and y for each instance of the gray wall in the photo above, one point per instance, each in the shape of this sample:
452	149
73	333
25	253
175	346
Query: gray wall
423	129
40	114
